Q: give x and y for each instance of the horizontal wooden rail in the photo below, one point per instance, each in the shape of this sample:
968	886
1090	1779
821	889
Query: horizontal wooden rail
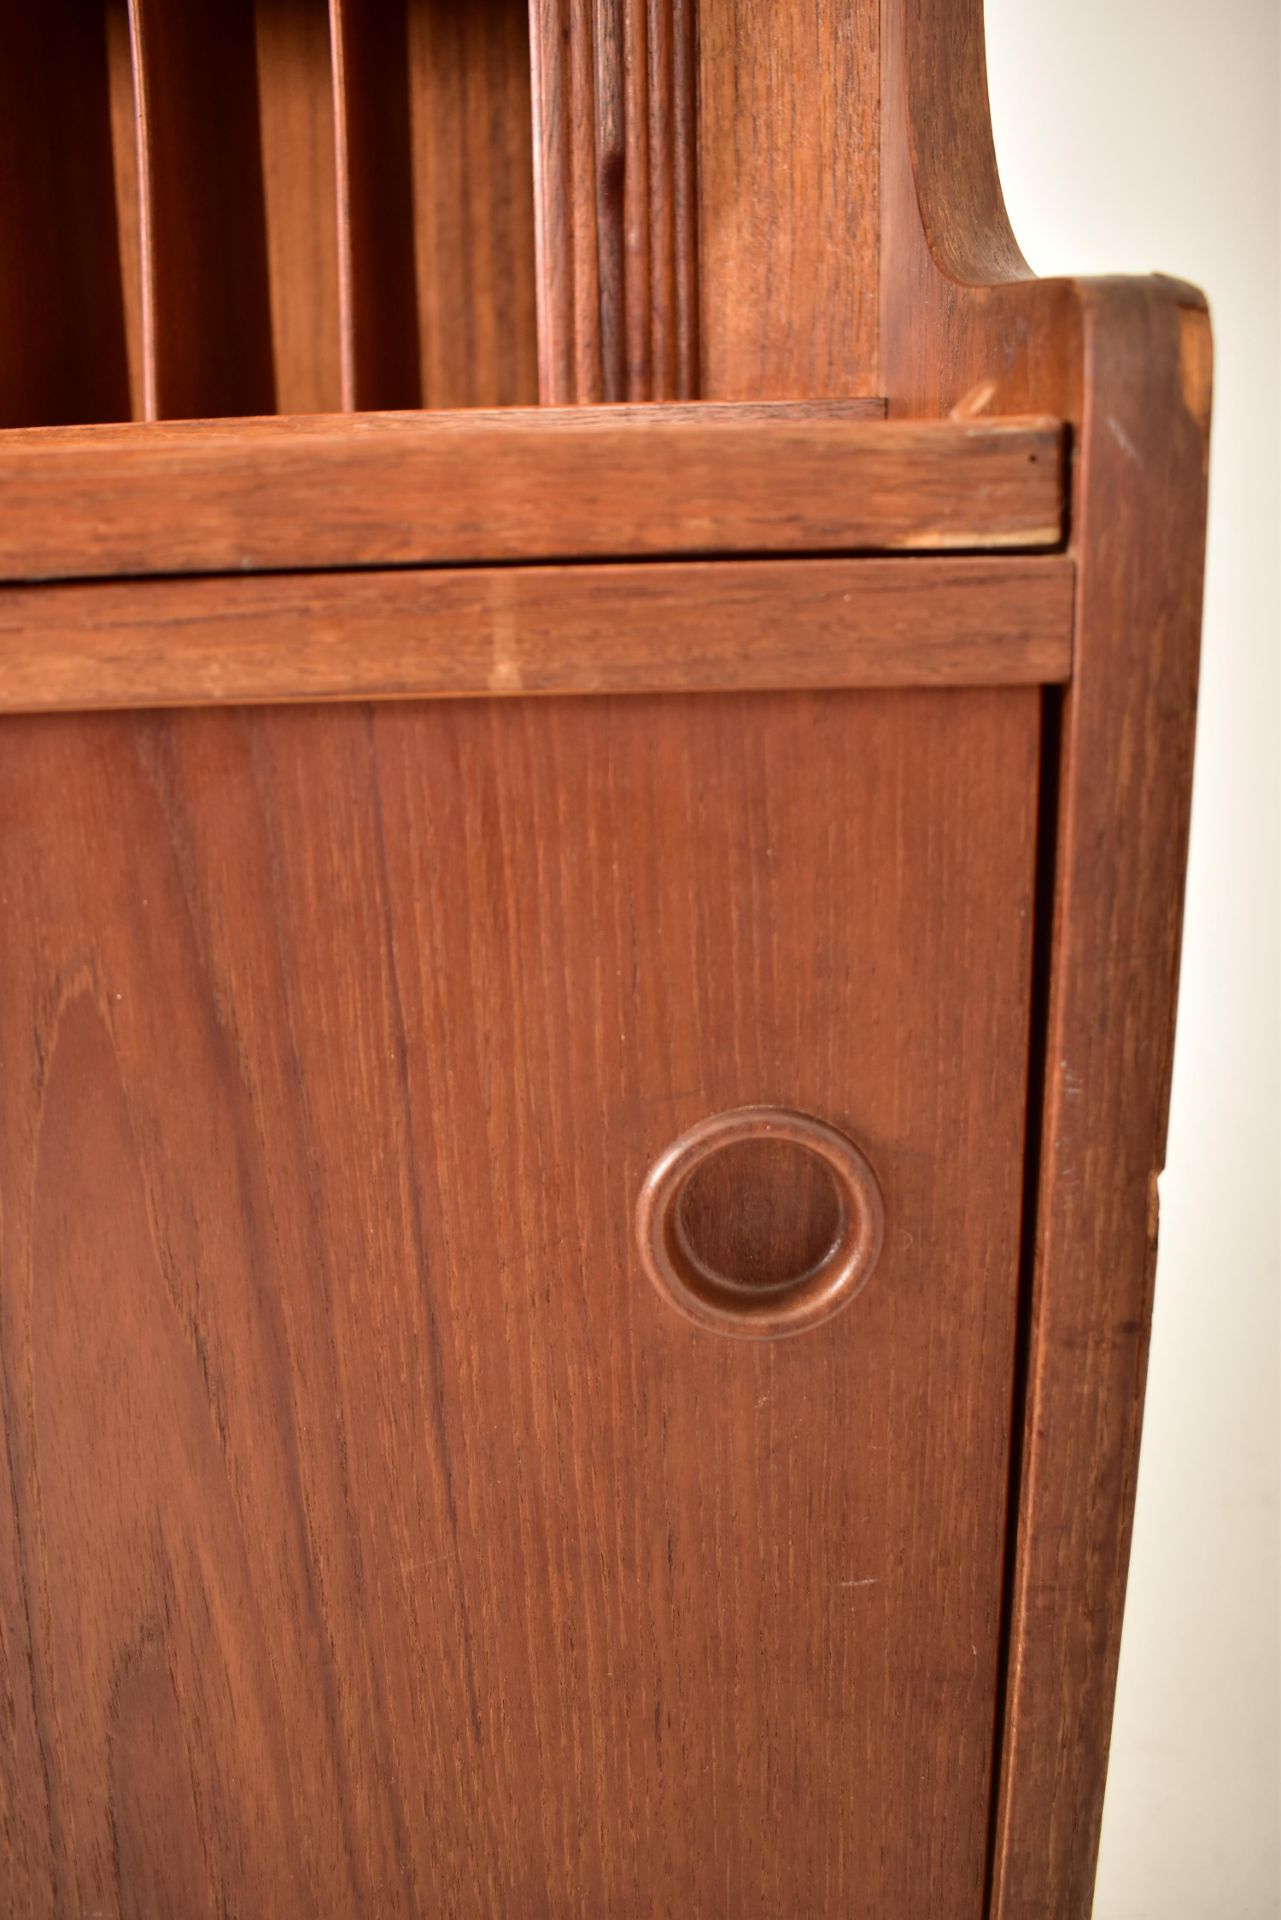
413	489
686	627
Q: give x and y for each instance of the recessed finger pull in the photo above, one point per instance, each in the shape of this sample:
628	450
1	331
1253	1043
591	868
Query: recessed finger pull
760	1222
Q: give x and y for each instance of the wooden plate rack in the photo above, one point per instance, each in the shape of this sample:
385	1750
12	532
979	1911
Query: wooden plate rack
321	206
267	206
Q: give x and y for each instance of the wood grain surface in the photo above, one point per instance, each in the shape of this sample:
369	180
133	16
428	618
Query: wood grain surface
698	626
703	625
299	191
399	489
788	190
472	159
374	1540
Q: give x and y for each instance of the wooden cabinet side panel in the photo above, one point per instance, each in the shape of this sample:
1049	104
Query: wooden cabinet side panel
374	1538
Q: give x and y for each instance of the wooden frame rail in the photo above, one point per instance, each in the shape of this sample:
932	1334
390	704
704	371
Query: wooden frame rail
401	490
698	626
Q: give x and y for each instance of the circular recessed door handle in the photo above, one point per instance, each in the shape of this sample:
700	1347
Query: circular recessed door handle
841	1222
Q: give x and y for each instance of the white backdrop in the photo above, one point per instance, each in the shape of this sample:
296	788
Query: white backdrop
1136	135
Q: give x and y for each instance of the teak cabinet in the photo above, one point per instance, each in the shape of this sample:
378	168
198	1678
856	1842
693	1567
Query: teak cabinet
598	698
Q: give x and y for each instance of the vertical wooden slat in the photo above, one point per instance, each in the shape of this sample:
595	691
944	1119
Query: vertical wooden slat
615	133
610	51
62	330
469	91
554	231
207	329
640	358
582	99
673	146
296	106
377	292
661	292
683	224
124	153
